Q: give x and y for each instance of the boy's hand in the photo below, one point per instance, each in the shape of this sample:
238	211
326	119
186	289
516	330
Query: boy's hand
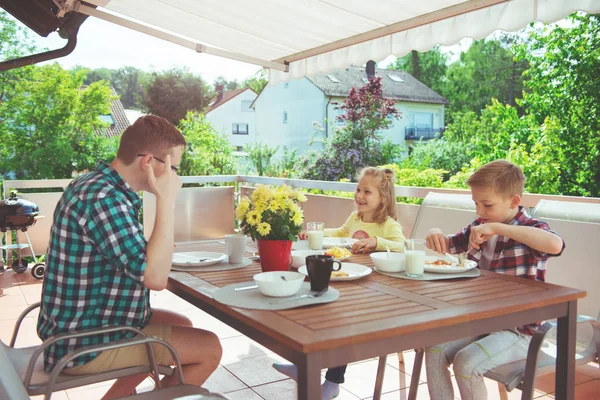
481	234
167	185
302	235
365	245
437	241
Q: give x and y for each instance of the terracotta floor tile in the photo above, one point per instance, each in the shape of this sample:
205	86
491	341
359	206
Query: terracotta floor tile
239	347
360	379
245	394
402	394
588	391
222	381
282	390
257	370
545	383
62	395
12	300
32	293
27	333
12	313
88	392
590	369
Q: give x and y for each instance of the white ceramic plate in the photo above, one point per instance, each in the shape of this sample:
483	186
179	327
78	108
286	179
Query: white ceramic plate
338	242
354	271
450	269
197	258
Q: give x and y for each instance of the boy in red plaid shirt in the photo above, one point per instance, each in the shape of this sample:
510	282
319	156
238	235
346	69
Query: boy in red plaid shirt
506	240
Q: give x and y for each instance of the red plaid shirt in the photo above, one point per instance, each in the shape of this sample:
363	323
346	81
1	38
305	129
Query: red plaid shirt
510	257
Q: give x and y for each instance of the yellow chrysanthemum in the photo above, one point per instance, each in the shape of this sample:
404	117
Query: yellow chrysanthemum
253	217
273	206
263	229
301	197
242	208
298	218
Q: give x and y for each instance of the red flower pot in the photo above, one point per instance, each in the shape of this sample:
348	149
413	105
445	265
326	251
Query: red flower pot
274	254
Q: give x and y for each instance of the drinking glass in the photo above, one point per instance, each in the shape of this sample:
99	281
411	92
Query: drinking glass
314	230
414	256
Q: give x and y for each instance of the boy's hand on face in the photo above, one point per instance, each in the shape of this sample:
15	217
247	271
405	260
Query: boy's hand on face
437	241
481	234
365	245
167	185
302	235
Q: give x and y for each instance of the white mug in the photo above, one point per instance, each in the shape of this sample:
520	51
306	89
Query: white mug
235	246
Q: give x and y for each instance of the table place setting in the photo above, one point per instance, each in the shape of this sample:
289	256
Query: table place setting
416	265
270	292
206	261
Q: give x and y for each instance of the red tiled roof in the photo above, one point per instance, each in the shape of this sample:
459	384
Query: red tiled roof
228	95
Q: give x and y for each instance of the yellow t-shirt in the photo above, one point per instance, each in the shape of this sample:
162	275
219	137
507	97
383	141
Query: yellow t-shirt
387	233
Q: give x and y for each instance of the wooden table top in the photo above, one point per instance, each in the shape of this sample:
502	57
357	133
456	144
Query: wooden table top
376	305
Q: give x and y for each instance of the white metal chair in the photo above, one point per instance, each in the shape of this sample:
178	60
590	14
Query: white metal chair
27	362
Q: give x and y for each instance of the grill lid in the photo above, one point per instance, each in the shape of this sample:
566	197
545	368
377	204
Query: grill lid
16	206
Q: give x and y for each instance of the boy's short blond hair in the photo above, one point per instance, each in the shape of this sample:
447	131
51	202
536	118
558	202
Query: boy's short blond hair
504	177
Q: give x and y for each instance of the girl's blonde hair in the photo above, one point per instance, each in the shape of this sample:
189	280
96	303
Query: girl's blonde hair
384	177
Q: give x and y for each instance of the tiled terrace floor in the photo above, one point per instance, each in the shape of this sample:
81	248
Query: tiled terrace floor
245	372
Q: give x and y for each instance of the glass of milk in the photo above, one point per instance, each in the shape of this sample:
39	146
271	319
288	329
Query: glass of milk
414	257
314	231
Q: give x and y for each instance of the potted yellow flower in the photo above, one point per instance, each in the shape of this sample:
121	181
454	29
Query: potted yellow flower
273	218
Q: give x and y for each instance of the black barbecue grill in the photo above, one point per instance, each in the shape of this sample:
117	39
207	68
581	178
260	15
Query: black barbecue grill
18	215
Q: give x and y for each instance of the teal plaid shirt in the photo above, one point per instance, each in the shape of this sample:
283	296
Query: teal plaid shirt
95	264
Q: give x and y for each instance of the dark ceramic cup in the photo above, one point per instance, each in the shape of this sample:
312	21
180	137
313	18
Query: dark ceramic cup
319	269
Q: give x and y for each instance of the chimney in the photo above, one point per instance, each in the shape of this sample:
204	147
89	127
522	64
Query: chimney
219	93
370	69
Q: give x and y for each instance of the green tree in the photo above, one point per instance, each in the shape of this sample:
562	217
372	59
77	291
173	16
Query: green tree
563	79
207	151
486	70
129	82
260	156
172	94
227	85
47	124
258	81
429	67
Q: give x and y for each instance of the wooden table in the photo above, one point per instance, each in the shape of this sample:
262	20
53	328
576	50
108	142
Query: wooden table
379	315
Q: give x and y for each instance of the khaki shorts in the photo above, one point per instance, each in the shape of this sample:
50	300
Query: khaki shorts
131	356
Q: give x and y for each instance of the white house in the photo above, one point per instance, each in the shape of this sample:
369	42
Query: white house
286	113
231	115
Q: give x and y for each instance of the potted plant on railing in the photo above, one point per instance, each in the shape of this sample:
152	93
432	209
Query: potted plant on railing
273	218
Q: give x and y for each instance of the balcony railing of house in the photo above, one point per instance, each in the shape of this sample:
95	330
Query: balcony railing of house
414	133
208	213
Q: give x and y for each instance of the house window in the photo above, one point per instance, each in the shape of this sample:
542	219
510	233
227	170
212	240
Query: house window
285	117
333	79
395	78
365	80
240	129
239	148
107	119
246	106
286	85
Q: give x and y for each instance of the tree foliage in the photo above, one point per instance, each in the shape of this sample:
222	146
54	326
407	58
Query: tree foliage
173	93
487	70
129	83
258	81
565	95
429	67
207	152
47	124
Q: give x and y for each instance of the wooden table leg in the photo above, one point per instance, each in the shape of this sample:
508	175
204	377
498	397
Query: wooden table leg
565	358
379	378
309	378
416	374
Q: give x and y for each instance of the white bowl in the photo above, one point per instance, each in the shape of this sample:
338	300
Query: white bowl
394	262
272	284
299	256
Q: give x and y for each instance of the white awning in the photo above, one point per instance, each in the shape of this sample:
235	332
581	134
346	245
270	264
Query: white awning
294	38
